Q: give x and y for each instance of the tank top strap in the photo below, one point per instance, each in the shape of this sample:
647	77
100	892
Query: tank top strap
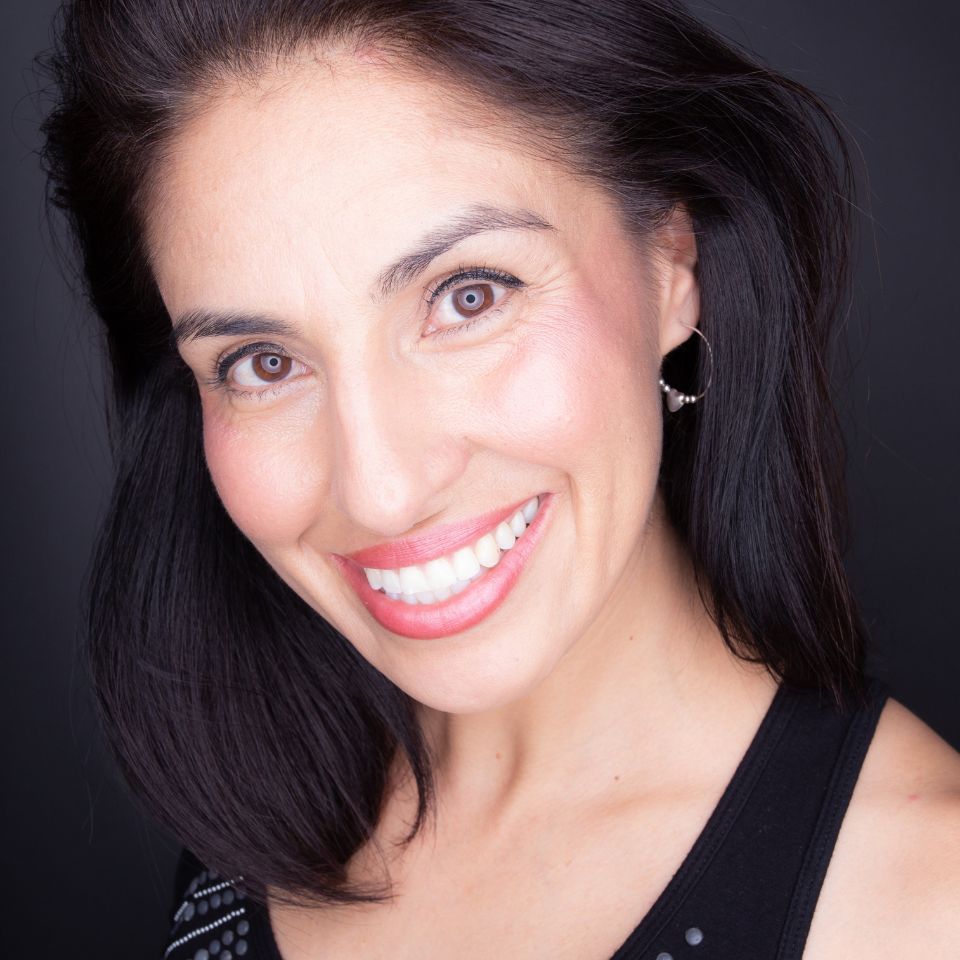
749	885
856	740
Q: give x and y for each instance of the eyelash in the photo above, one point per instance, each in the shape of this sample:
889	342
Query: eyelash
468	273
224	364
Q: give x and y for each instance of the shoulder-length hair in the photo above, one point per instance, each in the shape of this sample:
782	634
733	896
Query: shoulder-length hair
241	720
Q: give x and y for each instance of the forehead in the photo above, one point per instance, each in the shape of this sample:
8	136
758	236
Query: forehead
341	164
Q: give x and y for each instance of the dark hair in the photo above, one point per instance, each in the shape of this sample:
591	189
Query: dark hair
240	719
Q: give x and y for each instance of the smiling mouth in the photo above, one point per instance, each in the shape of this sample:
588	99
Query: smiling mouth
445	576
454	591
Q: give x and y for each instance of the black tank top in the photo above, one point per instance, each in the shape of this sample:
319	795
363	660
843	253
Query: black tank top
747	887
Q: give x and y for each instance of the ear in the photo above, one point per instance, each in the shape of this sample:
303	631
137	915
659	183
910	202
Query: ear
675	253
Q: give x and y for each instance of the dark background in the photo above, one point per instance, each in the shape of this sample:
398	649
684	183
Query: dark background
87	876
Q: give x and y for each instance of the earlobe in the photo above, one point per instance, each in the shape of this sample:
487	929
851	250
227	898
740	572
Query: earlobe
680	294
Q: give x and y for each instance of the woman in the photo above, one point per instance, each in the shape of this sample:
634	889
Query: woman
473	584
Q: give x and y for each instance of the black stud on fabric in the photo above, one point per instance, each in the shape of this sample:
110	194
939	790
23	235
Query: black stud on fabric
202	924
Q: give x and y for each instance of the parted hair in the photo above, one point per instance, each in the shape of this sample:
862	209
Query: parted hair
240	719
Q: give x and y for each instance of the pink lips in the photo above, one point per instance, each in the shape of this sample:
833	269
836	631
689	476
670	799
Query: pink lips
462	610
440	540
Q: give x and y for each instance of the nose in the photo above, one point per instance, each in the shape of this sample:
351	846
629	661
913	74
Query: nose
393	452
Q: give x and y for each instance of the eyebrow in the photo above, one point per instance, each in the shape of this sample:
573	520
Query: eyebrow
477	218
474	219
227	323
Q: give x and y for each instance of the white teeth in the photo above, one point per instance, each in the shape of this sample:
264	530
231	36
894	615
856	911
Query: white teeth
443	577
504	536
440	574
488	551
391	581
413	580
465	563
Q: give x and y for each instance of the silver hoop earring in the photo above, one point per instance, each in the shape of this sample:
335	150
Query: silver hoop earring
675	399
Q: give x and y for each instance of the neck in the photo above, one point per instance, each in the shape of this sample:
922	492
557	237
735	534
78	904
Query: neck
649	696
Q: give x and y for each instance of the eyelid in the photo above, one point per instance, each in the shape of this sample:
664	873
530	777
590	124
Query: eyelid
464	272
450	283
226	361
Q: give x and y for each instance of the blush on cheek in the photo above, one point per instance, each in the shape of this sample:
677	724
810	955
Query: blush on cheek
558	392
266	477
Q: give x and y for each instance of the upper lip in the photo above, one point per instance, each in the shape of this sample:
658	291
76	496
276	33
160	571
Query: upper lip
440	540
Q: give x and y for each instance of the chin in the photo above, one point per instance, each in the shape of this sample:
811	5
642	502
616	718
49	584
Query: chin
474	680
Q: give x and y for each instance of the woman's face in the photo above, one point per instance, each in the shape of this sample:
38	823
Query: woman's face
348	405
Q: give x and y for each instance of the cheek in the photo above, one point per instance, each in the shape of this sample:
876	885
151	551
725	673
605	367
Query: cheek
581	386
264	473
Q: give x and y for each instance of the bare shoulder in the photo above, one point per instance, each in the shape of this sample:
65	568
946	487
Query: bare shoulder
893	883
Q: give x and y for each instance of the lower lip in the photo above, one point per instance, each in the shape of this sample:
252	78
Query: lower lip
462	610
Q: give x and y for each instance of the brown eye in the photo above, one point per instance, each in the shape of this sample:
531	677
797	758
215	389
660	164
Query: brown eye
270	367
260	369
469	301
474	303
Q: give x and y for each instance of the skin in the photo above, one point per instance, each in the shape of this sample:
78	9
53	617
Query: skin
600	691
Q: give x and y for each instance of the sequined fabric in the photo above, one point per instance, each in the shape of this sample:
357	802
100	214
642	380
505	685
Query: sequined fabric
211	922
